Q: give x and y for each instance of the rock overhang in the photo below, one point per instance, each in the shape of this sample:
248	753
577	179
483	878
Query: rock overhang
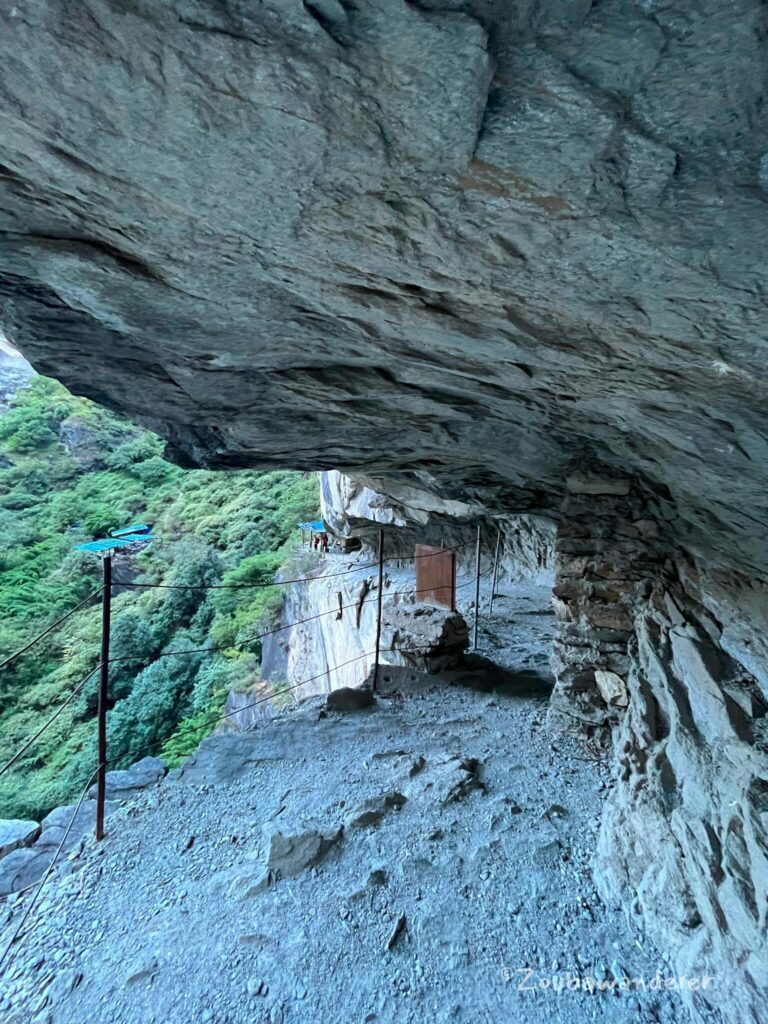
453	247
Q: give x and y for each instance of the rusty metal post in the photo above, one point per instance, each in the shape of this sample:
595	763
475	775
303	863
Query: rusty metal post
495	572
378	611
477	588
106	615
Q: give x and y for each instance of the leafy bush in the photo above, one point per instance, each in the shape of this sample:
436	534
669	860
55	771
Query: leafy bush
210	528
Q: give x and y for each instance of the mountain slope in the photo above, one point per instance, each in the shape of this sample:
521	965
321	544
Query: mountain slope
72	471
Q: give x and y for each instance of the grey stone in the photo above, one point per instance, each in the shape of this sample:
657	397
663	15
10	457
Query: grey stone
126	783
348	698
612	688
15	833
55	827
142	971
290	855
374	809
428	636
22	868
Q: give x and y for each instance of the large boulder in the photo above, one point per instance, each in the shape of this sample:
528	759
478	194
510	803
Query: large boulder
126	783
15	833
23	867
350	698
69	824
428	636
290	855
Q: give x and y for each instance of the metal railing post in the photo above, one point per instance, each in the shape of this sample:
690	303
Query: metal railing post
495	573
106	614
477	587
378	611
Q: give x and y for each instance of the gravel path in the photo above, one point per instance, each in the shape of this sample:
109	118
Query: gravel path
231	893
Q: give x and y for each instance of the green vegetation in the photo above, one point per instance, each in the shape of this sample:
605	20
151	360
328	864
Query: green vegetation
72	472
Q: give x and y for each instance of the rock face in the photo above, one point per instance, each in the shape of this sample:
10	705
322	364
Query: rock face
430	637
14	374
458	250
605	563
683	839
641	660
478	240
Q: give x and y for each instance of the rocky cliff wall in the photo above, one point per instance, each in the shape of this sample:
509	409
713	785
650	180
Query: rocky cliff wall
328	637
684	841
663	664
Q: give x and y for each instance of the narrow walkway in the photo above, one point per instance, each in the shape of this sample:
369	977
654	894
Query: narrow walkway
466	848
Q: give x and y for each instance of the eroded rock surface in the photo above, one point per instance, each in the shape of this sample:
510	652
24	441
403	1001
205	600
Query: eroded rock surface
451	245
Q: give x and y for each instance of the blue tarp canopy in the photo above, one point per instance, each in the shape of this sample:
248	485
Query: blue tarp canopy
105	545
119	539
317	526
139	528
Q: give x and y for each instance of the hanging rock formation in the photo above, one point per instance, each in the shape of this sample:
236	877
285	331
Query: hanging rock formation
453	244
458	250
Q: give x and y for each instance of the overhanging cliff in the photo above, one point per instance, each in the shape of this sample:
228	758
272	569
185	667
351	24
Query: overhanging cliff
488	259
458	245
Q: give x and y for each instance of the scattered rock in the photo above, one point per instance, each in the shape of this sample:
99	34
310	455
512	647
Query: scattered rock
469	780
555	812
373	810
142	970
397	931
612	688
254	939
349	698
65	982
290	855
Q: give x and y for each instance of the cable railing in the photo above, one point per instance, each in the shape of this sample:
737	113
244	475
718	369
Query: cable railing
49	629
7	956
197	650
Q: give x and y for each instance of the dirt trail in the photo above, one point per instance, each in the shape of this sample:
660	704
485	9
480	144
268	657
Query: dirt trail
406	863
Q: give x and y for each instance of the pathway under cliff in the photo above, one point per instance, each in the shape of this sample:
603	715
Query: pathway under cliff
415	862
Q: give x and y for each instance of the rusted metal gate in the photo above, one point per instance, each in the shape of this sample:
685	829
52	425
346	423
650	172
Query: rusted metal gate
436	576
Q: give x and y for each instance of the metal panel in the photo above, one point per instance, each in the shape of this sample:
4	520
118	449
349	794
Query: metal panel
435	576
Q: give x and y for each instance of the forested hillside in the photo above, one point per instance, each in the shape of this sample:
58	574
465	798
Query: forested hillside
70	472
